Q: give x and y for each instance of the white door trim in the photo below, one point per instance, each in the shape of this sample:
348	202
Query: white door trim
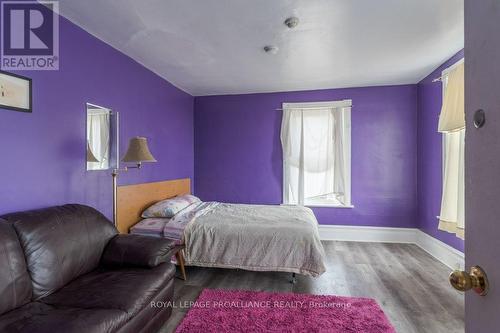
449	256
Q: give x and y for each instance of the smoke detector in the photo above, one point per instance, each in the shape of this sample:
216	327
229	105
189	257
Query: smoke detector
271	49
292	22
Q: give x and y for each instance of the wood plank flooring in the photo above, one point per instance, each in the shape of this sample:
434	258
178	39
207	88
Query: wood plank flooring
410	285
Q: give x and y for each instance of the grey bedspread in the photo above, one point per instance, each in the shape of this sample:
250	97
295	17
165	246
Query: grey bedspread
257	238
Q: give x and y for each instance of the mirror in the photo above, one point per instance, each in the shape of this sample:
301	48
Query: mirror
101	131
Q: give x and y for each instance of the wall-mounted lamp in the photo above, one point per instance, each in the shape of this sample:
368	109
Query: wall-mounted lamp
138	152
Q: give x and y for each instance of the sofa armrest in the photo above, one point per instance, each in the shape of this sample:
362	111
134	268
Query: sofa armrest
138	250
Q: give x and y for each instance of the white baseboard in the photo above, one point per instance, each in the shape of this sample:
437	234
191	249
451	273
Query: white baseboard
448	255
367	234
436	248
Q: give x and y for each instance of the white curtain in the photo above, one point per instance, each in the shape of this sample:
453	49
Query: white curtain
341	153
452	216
98	128
314	155
452	125
452	117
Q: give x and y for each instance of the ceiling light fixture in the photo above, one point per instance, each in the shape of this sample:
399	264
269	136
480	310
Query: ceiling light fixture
292	22
271	49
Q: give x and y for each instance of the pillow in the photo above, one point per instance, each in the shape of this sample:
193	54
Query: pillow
152	226
168	208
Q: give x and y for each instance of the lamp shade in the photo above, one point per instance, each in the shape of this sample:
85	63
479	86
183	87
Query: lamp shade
138	151
90	155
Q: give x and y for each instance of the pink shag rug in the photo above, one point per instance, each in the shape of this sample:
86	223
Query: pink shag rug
249	311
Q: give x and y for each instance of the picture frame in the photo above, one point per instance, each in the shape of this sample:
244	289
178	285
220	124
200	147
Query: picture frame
15	92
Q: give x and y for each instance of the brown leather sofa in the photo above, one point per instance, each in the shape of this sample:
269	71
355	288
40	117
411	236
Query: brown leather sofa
65	269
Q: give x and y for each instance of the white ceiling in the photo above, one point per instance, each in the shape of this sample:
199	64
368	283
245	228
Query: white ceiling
208	47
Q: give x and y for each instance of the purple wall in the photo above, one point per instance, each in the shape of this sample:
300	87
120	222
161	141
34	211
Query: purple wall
238	152
43	153
430	156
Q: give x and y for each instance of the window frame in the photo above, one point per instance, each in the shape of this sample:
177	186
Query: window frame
444	137
347	118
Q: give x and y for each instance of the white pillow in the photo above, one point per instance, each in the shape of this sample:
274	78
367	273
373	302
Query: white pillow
169	207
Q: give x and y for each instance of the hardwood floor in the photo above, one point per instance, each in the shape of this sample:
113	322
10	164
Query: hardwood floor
410	285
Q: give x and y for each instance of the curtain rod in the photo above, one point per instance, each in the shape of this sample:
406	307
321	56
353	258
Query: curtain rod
447	71
313	108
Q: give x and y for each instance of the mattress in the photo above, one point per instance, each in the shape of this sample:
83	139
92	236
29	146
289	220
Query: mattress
255	237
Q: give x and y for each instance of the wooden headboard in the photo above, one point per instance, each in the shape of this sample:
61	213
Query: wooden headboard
132	200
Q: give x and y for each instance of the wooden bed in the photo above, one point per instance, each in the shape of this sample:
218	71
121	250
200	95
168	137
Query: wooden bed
132	200
296	224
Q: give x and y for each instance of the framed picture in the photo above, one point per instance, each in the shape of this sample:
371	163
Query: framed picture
15	92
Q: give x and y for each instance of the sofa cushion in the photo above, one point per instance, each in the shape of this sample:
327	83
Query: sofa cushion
15	282
138	250
42	318
152	317
61	243
127	289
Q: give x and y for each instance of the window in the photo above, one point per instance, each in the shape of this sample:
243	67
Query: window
452	125
316	140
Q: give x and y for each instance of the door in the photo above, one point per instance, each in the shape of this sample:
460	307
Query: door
482	160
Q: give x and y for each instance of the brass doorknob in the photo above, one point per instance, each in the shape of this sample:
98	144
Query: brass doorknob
476	280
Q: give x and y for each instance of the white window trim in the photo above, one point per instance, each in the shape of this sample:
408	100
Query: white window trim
447	70
318	105
329	206
328	104
444	76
